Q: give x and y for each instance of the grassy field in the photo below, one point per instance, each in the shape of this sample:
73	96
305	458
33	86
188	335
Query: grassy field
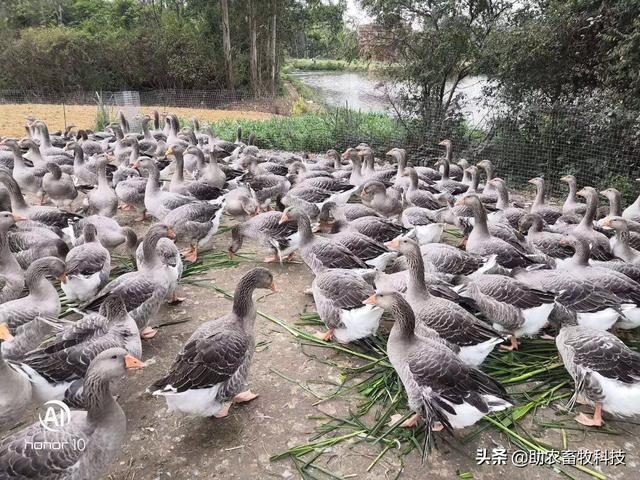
12	116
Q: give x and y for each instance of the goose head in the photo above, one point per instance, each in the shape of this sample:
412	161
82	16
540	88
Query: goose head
112	364
588	193
8	219
618	224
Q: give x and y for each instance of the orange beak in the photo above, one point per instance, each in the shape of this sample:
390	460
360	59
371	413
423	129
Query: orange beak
132	363
18	218
63	277
231	253
372	300
136	166
273	287
393	244
345	155
5	334
284	219
460	201
171	233
607	222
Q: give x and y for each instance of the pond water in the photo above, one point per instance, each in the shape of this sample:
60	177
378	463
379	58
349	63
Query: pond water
369	93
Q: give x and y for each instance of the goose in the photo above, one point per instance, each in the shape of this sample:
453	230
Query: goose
452	322
11	274
15	387
210	171
481	242
372	252
143	290
615	210
417	197
548	243
110	234
316	251
448	260
490	190
426	175
586	301
210	372
339	295
101	428
548	214
89	147
83	171
606	372
42	298
486	198
282	239
613	281
513	307
376	196
218	143
64	358
620	244
241	203
445	183
59	186
195	223
88	267
442	389
46	148
198	189
28	178
379	228
103	199
571	205
50	216
505	212
148	143
158	202
600	248
130	189
171	263
348	211
632	212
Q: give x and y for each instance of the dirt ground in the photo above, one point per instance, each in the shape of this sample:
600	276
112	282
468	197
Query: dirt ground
12	117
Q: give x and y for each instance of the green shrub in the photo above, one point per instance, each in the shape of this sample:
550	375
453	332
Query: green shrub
318	132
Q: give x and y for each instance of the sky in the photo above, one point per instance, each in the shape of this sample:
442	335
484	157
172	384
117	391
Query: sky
356	14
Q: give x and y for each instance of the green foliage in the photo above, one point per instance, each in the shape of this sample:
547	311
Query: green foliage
103	118
316	64
318	132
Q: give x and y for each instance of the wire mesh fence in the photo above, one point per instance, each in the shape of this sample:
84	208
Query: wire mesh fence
599	146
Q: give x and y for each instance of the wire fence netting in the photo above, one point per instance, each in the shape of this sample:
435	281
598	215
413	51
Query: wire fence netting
600	146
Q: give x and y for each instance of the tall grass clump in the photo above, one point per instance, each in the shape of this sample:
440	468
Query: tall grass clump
102	113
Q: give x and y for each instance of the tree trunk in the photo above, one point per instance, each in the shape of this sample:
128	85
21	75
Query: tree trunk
226	42
254	47
274	16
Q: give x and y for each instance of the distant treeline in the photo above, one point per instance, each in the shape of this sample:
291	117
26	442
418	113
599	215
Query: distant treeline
64	45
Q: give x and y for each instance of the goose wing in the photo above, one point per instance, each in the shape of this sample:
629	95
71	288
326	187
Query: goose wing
603	352
206	361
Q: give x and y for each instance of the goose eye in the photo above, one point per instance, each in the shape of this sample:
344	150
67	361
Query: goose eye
114	357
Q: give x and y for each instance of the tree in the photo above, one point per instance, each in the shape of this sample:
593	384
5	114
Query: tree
440	42
226	41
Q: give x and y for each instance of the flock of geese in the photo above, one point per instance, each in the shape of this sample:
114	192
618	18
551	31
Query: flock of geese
369	229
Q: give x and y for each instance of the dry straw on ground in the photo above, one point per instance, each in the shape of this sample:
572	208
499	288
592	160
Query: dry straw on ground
12	116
